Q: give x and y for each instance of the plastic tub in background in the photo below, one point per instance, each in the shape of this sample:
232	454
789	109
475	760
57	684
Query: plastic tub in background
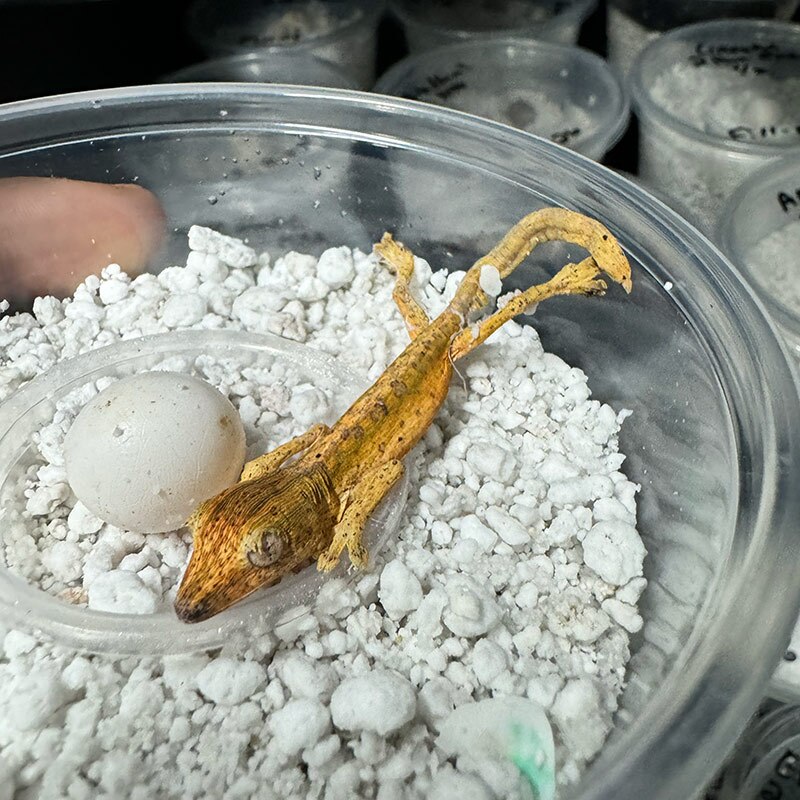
765	763
713	439
433	23
737	85
562	93
258	66
631	24
342	32
768	202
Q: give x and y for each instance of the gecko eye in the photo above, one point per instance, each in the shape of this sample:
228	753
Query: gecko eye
269	552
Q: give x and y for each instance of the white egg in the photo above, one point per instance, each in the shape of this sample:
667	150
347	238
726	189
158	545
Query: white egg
148	449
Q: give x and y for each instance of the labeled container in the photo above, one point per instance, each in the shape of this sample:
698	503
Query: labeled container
433	23
562	93
342	32
759	228
715	102
712	440
631	24
258	66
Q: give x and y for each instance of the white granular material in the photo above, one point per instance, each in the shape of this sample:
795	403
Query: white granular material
730	105
485	591
775	263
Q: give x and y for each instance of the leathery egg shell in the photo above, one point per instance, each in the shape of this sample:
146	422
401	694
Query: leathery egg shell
147	450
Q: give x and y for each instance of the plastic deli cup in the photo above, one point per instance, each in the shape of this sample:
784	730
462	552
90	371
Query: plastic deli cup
193	353
259	66
715	102
759	229
342	32
433	23
562	93
766	762
632	24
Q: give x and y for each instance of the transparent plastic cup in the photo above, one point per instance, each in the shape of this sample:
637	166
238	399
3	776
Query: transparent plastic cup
632	24
258	66
715	102
765	763
562	93
342	32
160	633
433	23
713	439
765	204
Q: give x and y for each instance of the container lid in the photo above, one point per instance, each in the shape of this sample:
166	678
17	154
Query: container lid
468	18
562	93
265	66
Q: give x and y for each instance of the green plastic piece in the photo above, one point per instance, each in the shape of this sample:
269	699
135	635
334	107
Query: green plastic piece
531	760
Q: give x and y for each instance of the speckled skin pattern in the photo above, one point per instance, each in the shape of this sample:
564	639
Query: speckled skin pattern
283	513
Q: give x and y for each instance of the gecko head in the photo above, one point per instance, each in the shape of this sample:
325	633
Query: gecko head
247	537
609	257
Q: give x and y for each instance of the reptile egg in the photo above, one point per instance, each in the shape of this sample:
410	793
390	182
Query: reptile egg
147	450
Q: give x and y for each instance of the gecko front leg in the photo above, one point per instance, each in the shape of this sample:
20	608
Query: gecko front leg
269	462
361	501
401	260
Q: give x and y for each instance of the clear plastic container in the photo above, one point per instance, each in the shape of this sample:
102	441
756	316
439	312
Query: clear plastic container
715	102
433	23
24	413
765	205
565	94
766	762
632	24
258	66
342	32
713	439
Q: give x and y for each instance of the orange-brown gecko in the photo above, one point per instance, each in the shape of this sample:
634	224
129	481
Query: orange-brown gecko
311	497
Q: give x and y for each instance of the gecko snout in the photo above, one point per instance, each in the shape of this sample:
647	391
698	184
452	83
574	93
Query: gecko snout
192	612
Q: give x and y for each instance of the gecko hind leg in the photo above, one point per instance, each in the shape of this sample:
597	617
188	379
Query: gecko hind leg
401	260
269	462
580	278
361	502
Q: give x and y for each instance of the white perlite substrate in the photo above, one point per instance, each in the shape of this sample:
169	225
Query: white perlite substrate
516	571
775	263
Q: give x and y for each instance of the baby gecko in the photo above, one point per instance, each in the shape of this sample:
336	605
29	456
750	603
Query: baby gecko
311	497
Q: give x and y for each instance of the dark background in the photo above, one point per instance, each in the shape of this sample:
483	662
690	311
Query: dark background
54	47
